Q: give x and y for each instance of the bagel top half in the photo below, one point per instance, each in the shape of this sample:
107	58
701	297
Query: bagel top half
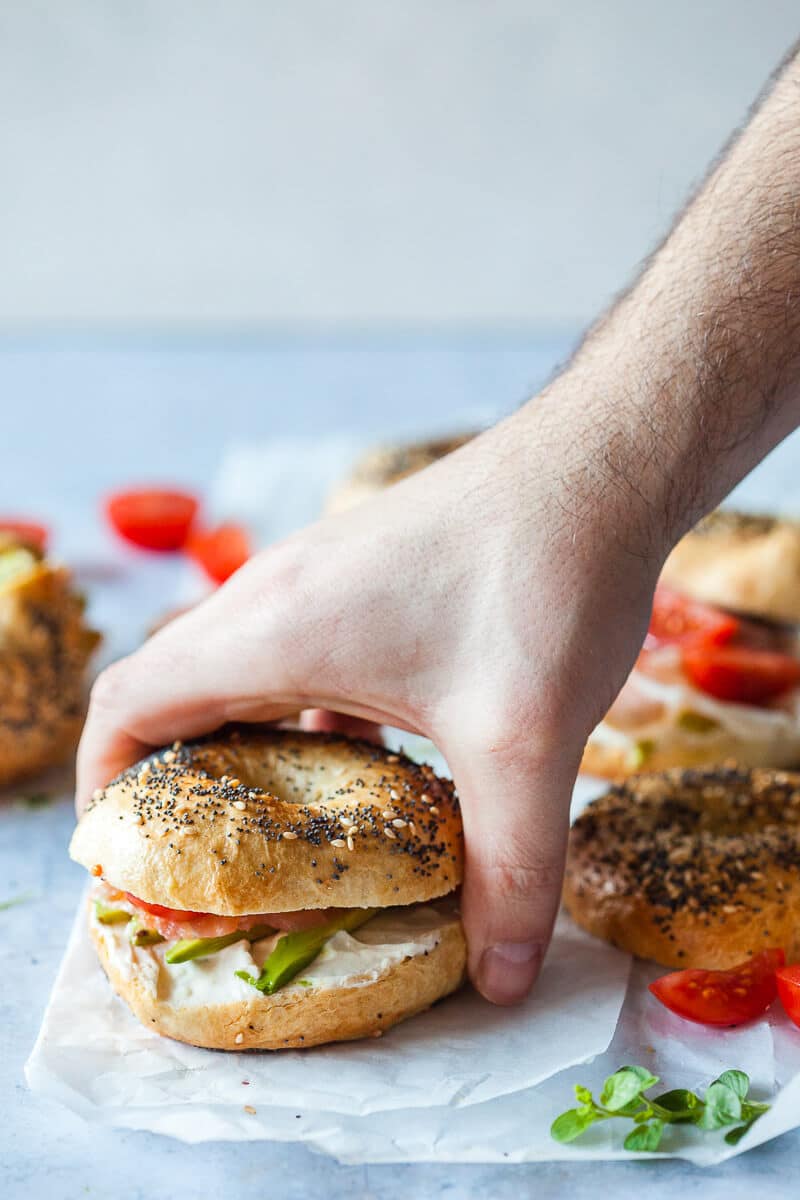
740	561
266	820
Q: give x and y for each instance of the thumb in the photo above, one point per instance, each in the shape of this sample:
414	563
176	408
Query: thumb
515	810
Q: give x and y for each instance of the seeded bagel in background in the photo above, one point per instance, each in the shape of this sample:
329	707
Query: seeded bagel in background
690	868
45	647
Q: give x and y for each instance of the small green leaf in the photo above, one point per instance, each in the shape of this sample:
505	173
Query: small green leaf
37	800
737	1081
583	1095
15	900
677	1105
734	1136
624	1086
722	1107
572	1124
645	1137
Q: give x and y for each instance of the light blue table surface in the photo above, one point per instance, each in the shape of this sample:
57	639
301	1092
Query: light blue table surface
78	419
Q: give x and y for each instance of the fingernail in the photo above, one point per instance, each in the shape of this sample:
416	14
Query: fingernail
508	970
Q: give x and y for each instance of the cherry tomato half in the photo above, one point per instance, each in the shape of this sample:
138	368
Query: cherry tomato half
220	551
678	620
30	532
722	997
153	518
788	981
740	674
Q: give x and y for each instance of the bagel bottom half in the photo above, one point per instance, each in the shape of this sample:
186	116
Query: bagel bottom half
293	1018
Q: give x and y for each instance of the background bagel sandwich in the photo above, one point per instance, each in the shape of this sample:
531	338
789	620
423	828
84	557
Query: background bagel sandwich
45	645
709	685
268	888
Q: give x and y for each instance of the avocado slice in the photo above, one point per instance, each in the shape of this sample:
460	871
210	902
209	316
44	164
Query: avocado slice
107	915
189	948
294	951
141	936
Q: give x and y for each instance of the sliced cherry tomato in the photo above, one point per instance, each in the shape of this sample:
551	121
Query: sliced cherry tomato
153	518
31	532
677	619
722	997
788	981
158	910
740	674
220	551
173	923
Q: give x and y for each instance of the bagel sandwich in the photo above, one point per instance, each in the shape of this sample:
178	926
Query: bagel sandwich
45	646
264	888
747	563
383	466
709	685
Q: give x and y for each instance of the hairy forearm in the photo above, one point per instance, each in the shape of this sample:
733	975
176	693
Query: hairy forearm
695	373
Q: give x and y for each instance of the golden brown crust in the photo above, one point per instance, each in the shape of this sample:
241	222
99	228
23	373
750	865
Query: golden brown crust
382	466
45	646
690	868
258	820
620	762
319	1015
747	563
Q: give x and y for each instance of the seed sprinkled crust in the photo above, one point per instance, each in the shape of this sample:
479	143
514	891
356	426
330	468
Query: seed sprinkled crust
269	820
690	867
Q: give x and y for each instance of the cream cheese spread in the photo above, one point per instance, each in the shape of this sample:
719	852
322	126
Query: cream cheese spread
347	960
675	697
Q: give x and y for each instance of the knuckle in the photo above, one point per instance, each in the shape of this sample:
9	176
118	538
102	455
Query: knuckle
110	687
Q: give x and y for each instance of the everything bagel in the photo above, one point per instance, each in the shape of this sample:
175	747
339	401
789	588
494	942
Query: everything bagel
228	866
44	648
690	868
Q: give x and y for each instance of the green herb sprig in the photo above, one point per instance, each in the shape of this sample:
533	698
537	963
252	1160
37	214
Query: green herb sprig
724	1104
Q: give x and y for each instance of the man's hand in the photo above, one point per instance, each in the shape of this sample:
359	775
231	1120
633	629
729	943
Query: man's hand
477	603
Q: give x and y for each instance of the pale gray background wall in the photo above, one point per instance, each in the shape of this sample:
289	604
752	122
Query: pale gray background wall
366	162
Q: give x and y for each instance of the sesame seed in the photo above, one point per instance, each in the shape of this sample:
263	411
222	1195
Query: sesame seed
223	779
350	843
393	794
390	833
338	842
399	823
239	1039
234	783
433	809
392	758
240	804
290	837
412	828
169	756
425	798
388	813
176	745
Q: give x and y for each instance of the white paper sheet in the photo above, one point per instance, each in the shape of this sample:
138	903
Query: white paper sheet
464	1083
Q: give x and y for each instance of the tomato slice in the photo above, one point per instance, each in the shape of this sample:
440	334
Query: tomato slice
722	997
158	910
676	619
174	923
30	532
740	674
153	518
788	981
220	551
